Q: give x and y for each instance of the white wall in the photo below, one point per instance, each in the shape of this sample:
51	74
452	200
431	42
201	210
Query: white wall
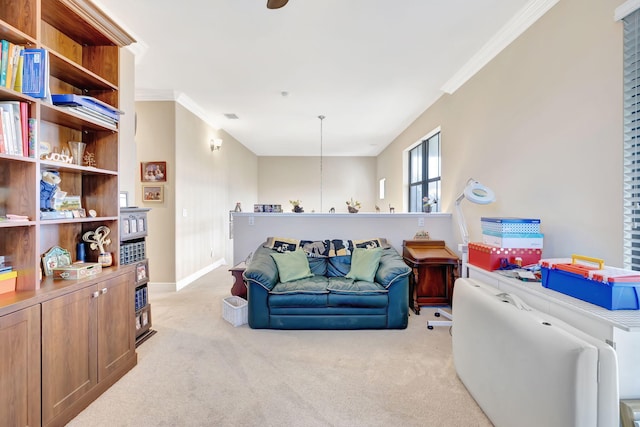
542	126
298	178
188	231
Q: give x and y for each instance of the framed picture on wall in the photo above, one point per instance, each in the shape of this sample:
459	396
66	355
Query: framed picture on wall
153	171
153	193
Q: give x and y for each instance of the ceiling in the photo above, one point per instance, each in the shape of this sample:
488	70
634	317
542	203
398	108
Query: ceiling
371	67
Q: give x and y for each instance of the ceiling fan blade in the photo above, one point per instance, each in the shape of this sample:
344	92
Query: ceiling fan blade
276	4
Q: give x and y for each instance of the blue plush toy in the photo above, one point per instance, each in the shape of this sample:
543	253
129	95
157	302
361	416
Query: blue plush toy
48	186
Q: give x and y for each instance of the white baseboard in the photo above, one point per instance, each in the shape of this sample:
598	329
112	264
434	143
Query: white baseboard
182	283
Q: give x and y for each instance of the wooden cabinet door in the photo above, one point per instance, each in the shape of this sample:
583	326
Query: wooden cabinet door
20	367
69	349
116	334
434	284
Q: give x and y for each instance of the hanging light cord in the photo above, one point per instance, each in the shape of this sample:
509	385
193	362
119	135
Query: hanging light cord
321	117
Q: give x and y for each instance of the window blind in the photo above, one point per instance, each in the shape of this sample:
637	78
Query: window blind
632	140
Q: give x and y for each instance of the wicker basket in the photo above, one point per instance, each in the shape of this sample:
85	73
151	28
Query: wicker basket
235	310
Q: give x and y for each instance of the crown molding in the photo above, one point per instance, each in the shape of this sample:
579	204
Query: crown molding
626	8
150	95
137	46
95	15
517	25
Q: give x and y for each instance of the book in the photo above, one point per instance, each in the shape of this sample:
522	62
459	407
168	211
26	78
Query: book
9	65
35	73
17	85
32	130
3	145
8	123
17	123
4	62
16	67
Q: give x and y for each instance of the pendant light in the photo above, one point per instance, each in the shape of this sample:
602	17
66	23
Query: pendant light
321	117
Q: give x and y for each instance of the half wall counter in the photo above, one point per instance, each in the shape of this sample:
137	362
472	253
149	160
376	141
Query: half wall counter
249	229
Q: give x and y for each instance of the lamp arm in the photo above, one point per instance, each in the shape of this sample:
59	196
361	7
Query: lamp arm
461	221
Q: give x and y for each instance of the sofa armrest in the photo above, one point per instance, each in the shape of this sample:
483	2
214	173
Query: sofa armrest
392	268
262	269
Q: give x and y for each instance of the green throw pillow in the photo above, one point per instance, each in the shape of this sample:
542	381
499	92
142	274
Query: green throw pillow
292	265
364	264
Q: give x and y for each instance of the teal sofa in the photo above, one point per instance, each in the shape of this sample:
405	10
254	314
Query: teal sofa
333	293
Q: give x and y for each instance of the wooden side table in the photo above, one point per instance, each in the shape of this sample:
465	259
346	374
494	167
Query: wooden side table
435	268
238	289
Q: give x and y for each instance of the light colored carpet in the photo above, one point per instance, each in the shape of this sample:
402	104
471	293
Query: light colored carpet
199	370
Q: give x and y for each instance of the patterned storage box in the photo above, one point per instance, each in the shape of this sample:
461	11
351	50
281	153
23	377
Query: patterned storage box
489	257
510	225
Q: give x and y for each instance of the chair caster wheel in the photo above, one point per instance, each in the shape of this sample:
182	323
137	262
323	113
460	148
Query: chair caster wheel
436	314
429	327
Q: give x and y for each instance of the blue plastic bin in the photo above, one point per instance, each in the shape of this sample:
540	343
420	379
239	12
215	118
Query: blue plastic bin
610	295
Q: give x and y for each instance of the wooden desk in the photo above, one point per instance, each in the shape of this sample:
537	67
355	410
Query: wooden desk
238	289
435	268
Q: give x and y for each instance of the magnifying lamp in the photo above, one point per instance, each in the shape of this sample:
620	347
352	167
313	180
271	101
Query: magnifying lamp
476	193
479	194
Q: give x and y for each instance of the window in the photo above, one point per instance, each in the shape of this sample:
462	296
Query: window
424	174
632	140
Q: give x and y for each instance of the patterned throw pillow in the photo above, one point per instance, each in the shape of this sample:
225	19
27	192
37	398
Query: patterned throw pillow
315	248
368	244
340	247
282	244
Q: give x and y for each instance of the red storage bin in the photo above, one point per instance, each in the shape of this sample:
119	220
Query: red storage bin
488	257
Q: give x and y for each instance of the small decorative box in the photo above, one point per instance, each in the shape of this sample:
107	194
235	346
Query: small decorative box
77	270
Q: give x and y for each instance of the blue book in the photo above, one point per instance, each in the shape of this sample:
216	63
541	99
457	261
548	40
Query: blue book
35	72
4	62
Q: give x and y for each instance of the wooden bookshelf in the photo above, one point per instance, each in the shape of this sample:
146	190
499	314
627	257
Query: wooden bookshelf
84	52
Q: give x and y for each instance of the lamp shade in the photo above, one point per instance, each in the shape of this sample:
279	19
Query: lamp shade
478	193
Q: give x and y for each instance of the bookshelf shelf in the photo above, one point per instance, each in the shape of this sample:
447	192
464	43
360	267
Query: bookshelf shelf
65	117
75	74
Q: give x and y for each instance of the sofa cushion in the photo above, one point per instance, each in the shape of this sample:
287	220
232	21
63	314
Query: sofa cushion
338	266
391	269
282	244
364	263
292	265
310	285
343	285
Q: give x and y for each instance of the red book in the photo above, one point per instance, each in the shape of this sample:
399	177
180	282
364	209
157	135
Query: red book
24	122
3	145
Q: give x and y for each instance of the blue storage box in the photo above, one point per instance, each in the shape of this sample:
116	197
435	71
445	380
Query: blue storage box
611	288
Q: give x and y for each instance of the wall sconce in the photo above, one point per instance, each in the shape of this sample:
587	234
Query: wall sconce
215	144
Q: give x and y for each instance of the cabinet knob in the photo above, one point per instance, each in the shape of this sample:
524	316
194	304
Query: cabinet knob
104	290
96	294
